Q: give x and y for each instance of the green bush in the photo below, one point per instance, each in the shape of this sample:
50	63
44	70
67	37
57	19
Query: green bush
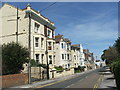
77	71
59	68
81	68
42	65
13	57
116	71
34	64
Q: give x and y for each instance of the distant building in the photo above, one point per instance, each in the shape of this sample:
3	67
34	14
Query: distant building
82	56
75	53
77	50
100	63
89	59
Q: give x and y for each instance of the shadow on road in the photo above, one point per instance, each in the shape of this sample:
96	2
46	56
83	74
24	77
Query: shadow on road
114	88
111	88
103	73
110	78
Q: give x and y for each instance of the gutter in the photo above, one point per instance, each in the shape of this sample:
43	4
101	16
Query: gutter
39	19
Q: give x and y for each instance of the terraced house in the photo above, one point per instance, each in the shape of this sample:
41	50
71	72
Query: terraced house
16	24
89	59
75	52
63	52
78	56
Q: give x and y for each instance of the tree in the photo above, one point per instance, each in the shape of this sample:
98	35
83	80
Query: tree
110	55
103	55
33	63
117	45
13	57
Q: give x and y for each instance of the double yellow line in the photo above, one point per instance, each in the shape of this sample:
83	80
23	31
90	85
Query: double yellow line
98	82
50	84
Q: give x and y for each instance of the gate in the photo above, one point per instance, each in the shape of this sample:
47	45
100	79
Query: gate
38	73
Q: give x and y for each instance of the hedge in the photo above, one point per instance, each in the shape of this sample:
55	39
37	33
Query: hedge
116	71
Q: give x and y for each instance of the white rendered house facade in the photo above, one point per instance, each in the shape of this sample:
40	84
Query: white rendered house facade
63	52
39	26
82	56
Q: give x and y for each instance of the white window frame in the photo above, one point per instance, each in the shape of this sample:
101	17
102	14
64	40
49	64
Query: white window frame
42	58
68	56
42	43
49	34
50	59
36	43
36	25
62	45
50	45
37	58
63	56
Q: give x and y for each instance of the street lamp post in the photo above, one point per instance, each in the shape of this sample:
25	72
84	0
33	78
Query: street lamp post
29	46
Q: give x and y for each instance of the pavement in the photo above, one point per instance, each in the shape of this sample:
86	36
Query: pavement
108	81
40	83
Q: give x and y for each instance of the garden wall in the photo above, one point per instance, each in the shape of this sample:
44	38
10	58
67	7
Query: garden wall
13	80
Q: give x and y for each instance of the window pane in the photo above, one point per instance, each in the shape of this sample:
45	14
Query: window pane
49	34
36	27
37	58
62	56
36	42
42	58
42	42
62	45
50	59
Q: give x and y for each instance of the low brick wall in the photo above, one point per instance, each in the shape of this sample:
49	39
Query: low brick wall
14	80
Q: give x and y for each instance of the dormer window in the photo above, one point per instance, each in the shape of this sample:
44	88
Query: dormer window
36	27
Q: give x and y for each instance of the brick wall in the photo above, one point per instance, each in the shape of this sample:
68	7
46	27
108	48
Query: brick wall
14	80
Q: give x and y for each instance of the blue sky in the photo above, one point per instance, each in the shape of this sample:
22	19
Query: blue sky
93	24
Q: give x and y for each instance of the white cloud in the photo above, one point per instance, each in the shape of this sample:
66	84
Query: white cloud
99	35
99	30
93	31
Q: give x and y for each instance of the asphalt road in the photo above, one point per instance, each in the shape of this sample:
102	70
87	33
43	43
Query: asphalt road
87	80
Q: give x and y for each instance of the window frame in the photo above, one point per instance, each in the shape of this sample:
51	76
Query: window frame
63	56
42	43
36	27
62	45
49	35
37	42
37	58
50	59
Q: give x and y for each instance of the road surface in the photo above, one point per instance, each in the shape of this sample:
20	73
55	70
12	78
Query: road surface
89	80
